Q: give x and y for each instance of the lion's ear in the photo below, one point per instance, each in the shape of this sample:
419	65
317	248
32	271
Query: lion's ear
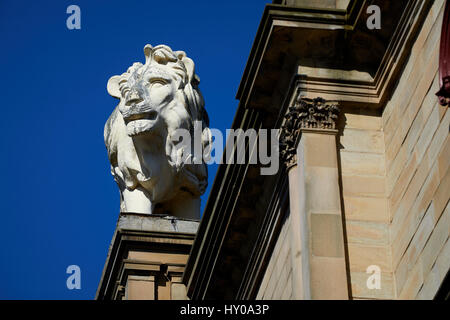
113	87
207	143
190	68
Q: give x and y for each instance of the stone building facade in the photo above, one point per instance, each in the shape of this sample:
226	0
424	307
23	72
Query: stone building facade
363	192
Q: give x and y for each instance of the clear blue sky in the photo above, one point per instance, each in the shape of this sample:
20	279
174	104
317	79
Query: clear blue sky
59	203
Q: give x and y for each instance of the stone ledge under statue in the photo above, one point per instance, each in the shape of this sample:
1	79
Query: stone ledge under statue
146	258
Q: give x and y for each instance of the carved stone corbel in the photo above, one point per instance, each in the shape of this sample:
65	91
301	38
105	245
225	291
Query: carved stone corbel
306	114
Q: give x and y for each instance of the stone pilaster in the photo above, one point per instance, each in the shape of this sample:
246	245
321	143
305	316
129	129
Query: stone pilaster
308	148
146	258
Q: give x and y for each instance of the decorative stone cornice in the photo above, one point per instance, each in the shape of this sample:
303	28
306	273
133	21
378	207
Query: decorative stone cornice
365	79
306	115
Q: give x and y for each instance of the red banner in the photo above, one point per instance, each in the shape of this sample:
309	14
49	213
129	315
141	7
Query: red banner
444	59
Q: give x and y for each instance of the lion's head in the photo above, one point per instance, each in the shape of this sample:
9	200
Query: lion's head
147	159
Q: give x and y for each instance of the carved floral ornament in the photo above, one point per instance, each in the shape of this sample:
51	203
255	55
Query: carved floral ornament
306	114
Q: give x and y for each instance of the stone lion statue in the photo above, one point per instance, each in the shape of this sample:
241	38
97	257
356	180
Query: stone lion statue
147	159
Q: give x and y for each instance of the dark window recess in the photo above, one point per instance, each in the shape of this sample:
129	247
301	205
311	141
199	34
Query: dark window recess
443	293
444	59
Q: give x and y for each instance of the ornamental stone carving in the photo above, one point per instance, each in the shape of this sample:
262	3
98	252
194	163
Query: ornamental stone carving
306	114
155	99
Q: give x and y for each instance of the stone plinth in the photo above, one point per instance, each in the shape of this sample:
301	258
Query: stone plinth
146	258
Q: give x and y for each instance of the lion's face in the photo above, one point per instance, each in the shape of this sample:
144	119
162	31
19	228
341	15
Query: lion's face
147	98
149	95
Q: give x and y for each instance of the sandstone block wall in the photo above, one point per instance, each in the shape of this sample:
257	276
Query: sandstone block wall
362	162
416	135
277	280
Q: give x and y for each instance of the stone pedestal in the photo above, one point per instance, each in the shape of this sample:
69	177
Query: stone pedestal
147	257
